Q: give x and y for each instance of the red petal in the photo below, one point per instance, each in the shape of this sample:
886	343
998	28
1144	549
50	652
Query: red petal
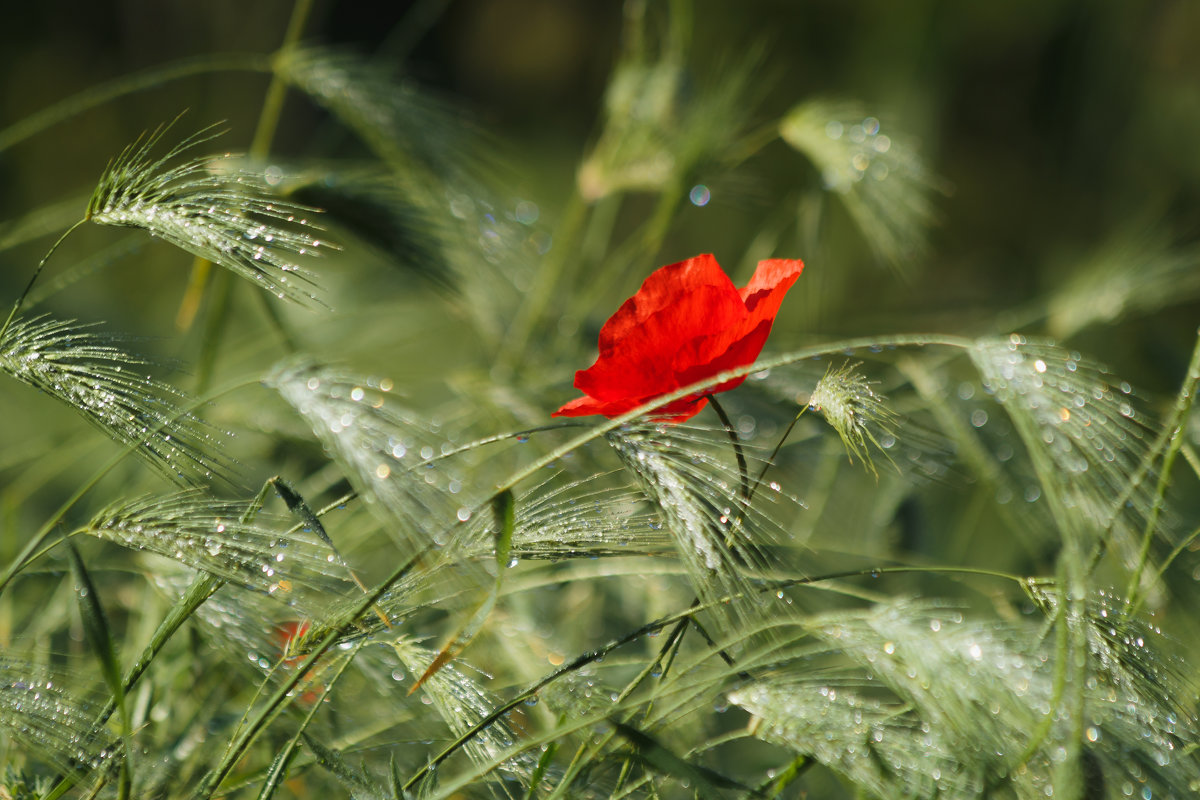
738	353
676	411
764	293
644	363
686	323
664	288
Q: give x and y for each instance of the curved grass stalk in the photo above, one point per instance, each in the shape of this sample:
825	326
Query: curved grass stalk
33	278
1174	430
88	373
211	208
698	388
211	782
731	432
140	81
31	548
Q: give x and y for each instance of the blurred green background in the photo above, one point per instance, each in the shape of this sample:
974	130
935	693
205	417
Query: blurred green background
1059	138
1061	131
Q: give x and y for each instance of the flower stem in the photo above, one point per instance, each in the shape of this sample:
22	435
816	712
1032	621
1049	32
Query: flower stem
771	458
743	471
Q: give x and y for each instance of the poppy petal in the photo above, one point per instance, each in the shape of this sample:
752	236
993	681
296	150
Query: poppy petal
645	362
770	282
663	290
686	323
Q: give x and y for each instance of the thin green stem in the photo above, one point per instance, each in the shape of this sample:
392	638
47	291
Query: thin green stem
260	148
704	386
284	758
1184	544
128	84
743	470
771	458
33	278
776	784
272	110
1175	432
246	736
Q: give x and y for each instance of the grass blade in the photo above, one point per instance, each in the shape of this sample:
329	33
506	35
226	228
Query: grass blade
214	208
93	376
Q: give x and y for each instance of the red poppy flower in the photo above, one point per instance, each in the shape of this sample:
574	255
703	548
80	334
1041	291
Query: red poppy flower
688	322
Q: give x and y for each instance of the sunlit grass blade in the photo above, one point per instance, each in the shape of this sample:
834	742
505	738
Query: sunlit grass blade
875	170
858	413
383	446
214	208
96	378
214	536
586	518
37	709
687	478
1088	443
461	702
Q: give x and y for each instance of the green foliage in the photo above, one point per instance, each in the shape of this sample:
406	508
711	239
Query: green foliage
883	566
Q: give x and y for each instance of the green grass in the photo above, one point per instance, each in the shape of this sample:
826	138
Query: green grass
284	512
